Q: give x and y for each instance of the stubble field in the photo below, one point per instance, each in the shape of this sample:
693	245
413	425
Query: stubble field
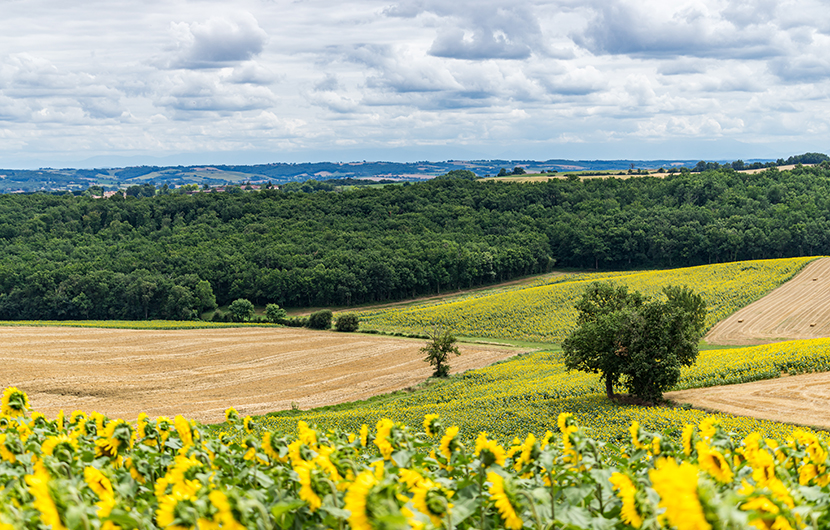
200	373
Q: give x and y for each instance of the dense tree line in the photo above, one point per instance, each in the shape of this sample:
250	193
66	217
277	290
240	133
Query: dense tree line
168	255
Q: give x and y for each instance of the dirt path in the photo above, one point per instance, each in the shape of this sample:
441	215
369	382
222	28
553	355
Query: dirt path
799	399
200	373
799	309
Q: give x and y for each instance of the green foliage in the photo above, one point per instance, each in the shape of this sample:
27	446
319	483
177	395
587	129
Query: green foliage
347	322
463	174
441	344
241	309
274	313
643	343
320	319
376	244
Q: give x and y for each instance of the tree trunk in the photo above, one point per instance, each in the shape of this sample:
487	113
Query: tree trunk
609	387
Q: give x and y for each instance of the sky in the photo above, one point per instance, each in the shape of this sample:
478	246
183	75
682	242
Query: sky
117	82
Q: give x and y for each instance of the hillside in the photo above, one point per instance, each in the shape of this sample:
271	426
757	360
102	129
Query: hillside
545	312
799	309
168	256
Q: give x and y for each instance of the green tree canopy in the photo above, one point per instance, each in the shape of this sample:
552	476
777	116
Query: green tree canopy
241	309
441	344
637	341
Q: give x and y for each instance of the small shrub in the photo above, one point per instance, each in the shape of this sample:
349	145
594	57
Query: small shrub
320	319
347	322
274	313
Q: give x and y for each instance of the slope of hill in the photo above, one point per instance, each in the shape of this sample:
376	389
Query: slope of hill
798	309
546	312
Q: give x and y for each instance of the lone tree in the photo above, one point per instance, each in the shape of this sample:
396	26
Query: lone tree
241	309
635	340
441	344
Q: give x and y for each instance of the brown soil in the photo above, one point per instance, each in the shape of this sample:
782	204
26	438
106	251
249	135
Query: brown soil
799	399
799	309
200	373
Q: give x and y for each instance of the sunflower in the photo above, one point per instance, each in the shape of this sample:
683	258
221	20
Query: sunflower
62	447
305	471
713	462
677	487
224	512
44	502
272	447
355	500
183	428
501	495
231	416
626	492
364	435
489	451
116	437
15	402
449	443
384	428
5	452
431	424
101	485
307	435
432	500
177	511
248	424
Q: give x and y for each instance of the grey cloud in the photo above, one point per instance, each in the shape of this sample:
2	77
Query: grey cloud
253	73
484	44
206	94
217	43
478	31
40	91
681	67
619	28
805	68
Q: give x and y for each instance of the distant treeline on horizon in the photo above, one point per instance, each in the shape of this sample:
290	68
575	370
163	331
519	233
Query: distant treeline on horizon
169	255
52	180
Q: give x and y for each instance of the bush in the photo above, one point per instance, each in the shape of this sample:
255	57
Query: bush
347	322
274	313
320	319
241	309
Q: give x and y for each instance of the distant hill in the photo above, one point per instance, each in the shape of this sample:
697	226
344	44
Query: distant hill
76	180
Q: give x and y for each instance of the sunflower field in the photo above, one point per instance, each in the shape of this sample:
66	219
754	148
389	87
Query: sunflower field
544	311
526	393
85	472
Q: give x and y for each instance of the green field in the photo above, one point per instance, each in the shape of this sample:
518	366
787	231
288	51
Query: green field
525	394
544	311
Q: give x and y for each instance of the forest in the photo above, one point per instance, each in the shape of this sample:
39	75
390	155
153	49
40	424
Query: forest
176	255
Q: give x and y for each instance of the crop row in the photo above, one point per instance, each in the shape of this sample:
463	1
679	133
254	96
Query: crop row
91	472
546	312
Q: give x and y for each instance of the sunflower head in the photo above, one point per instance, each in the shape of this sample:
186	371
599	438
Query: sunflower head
432	424
61	447
231	416
15	402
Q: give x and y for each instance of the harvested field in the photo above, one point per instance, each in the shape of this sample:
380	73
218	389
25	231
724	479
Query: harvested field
799	399
200	373
799	309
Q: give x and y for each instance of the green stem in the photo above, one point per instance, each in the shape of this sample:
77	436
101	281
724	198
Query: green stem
481	494
532	509
552	499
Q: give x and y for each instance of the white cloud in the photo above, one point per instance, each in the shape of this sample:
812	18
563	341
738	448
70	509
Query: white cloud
483	76
217	42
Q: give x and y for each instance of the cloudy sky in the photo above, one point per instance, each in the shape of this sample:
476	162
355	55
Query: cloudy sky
119	82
